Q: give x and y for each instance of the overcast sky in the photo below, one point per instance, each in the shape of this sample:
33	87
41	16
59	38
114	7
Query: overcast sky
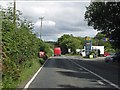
59	17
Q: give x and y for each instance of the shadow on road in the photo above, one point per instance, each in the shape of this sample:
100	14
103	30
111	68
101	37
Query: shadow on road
64	67
59	63
67	86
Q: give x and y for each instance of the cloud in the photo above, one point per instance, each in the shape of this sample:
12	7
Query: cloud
59	18
45	23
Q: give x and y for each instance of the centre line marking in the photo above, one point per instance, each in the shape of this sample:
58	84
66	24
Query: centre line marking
100	82
112	84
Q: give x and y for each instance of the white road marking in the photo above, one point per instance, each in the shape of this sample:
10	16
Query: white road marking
112	84
64	70
27	85
100	82
80	68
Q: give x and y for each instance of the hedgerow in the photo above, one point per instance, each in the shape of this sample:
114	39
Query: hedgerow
20	47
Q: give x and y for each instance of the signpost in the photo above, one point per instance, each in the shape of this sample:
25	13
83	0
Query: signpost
88	45
105	39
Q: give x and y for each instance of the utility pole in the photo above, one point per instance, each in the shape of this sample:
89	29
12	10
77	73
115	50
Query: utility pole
41	18
14	13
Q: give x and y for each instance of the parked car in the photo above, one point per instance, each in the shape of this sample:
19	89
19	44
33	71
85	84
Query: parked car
114	57
110	57
106	54
117	57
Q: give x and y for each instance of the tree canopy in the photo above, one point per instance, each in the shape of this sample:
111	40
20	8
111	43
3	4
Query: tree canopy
105	17
69	41
101	40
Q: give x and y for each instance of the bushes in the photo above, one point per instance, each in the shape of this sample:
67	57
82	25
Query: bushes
41	60
20	49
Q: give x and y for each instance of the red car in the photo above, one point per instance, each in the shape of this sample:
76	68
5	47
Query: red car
57	51
106	54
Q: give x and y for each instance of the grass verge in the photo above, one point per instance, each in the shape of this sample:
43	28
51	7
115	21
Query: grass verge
28	72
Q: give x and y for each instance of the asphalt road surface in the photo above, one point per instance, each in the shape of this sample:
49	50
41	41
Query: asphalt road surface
68	72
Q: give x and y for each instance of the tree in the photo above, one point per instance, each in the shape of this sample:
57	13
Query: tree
65	36
99	36
69	41
98	40
105	17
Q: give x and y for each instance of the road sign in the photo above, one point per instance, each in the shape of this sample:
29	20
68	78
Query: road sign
105	39
87	38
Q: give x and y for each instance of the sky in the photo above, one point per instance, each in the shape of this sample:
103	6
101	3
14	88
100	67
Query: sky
60	17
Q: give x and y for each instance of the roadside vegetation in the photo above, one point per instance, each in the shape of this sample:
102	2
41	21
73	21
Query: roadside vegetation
105	18
71	42
20	49
20	46
101	40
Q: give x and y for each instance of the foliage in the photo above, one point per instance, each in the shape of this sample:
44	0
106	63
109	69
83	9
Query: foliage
20	47
41	60
69	41
105	17
65	36
99	36
28	71
98	41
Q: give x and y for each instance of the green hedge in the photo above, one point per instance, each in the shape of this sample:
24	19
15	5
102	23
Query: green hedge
20	49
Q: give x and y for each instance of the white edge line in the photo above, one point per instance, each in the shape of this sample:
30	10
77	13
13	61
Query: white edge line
27	85
112	84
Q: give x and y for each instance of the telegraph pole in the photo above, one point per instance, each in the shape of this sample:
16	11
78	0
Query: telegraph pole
14	12
41	18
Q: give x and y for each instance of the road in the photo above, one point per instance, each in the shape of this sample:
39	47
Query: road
68	72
